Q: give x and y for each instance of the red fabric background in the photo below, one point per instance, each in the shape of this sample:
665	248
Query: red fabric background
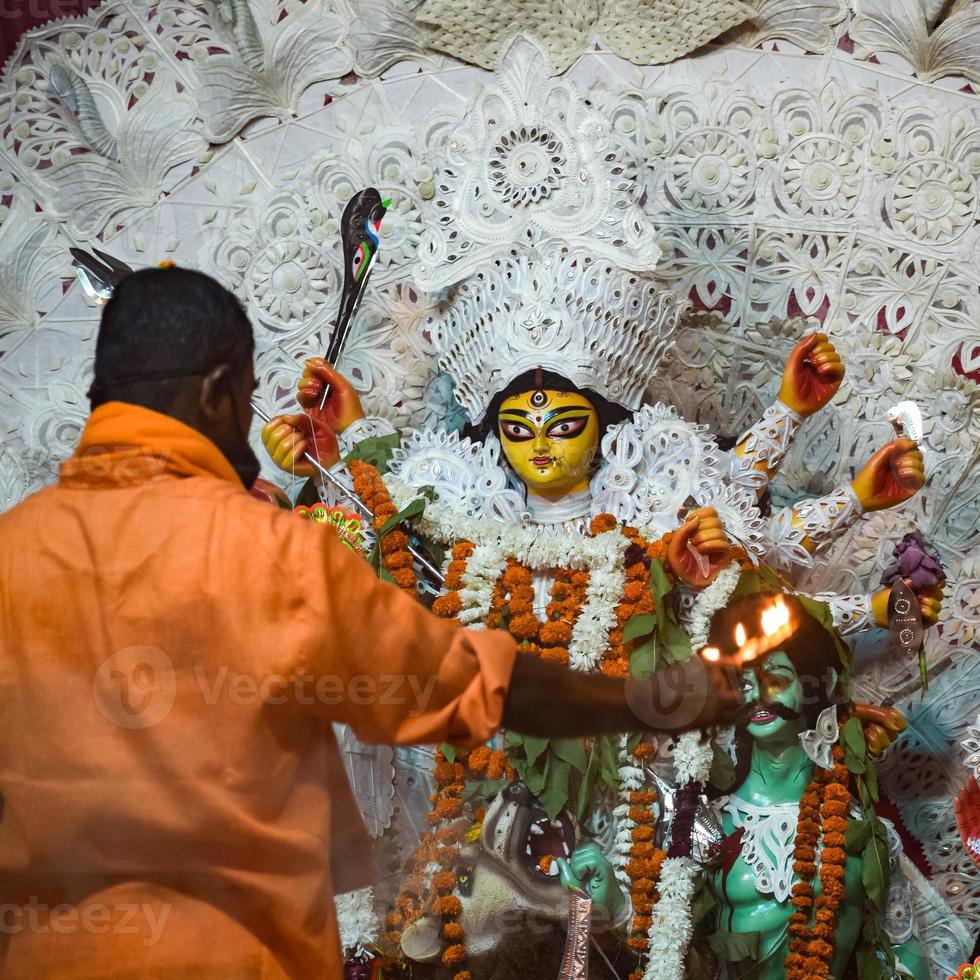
17	16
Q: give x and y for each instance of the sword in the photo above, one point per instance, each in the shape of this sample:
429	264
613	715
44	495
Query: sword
359	236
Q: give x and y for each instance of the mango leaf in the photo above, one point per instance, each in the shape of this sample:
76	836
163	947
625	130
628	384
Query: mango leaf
869	963
722	773
676	644
874	864
535	777
376	450
414	509
748	583
642	624
869	785
572	751
643	659
608	750
553	796
855	747
856	836
659	582
587	789
819	611
534	747
481	789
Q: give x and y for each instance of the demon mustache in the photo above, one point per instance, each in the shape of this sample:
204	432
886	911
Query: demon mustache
775	707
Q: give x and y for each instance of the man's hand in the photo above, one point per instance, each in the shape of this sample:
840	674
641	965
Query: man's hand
701	534
288	437
589	869
343	405
812	375
930	604
697	693
893	475
881	725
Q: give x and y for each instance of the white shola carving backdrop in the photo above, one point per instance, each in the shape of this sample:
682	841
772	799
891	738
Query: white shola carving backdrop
813	162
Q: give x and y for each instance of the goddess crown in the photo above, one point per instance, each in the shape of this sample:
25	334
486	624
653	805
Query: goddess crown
599	326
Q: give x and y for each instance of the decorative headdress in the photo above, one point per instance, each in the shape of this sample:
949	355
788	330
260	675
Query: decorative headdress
600	326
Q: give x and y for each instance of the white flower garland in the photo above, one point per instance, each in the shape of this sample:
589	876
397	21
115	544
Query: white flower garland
708	601
671	925
692	758
483	568
630	780
538	547
358	924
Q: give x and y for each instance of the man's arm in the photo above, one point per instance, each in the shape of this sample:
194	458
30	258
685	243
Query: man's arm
551	701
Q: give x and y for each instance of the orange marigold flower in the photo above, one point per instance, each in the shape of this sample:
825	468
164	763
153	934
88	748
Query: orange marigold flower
805	869
835	791
454	955
835	808
833	840
463	550
555	633
602	523
524	626
555	655
463	975
804	852
835	825
446	809
824	932
453	931
479	758
444	881
643	797
642	833
638	943
497	764
448	906
817	947
831	872
447	605
833	855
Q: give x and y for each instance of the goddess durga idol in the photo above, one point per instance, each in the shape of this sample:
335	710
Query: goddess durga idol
601	531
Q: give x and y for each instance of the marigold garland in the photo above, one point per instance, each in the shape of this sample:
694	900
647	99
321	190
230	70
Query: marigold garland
822	820
512	608
395	556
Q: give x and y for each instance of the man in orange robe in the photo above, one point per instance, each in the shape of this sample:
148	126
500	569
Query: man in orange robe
172	655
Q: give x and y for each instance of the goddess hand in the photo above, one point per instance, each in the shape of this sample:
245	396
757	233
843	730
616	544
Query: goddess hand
881	725
705	533
930	604
893	475
343	405
812	375
288	437
589	869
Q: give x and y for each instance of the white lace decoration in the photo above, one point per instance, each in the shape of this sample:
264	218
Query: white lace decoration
852	613
769	834
767	442
972	746
821	520
368	427
654	461
589	320
532	175
819	741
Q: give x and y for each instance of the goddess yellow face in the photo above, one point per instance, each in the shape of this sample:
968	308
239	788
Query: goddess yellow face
550	439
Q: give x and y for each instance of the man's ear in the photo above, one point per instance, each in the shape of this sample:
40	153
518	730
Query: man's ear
215	389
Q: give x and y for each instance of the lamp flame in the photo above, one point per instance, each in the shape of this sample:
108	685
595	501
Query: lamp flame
711	653
776	617
777	625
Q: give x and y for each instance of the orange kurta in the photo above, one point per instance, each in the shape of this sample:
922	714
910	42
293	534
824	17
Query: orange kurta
172	654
